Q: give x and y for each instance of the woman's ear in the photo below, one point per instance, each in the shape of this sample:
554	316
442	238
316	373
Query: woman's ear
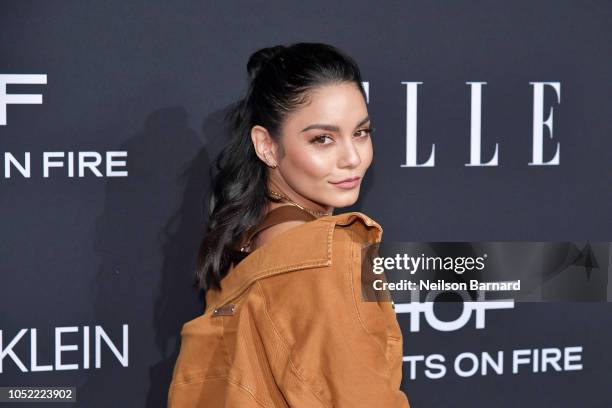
265	146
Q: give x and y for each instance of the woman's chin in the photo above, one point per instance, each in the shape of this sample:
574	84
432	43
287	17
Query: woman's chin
346	199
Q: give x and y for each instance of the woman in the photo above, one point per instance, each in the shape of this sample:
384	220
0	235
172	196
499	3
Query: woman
285	325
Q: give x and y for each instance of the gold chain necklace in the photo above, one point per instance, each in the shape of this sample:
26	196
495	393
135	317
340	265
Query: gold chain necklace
316	213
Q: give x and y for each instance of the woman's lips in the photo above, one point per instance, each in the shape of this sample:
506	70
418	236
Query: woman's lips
348	183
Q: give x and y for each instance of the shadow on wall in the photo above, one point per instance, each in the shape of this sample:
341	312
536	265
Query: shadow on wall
147	237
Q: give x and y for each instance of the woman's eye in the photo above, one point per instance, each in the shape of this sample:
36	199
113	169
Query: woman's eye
364	132
321	139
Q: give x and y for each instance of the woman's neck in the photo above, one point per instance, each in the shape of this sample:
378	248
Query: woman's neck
288	196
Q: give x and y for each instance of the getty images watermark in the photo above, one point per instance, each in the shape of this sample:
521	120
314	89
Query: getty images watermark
519	271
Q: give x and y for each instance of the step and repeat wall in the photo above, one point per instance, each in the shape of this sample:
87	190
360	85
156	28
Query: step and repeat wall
492	124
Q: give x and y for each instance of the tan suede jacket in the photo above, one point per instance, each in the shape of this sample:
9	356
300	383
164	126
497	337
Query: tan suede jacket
289	328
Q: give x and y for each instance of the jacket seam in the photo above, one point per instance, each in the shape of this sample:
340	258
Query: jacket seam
202	379
248	391
285	345
269	272
226	353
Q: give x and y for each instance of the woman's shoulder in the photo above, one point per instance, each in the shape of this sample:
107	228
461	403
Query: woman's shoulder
349	219
354	226
321	251
326	266
312	241
306	246
342	220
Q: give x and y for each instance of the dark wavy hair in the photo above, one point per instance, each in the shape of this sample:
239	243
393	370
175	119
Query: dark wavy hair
280	79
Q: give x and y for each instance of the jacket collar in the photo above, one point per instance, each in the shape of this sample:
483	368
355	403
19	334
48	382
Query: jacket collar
289	251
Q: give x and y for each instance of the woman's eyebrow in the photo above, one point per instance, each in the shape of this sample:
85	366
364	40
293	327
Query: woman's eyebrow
332	128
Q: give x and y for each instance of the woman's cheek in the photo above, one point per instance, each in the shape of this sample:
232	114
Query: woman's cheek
316	164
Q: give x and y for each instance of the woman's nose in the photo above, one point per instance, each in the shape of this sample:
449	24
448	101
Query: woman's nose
349	155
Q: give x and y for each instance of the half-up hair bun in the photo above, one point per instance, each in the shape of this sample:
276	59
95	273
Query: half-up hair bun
260	58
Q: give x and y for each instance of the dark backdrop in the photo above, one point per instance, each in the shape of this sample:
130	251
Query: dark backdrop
83	257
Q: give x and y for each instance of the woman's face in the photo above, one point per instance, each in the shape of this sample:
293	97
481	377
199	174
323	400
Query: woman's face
324	143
